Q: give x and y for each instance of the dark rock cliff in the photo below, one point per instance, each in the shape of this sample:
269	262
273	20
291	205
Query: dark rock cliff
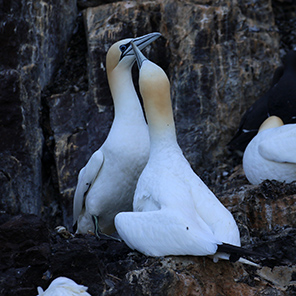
56	110
34	37
33	254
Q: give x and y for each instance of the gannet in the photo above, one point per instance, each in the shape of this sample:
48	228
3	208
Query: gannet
174	212
279	100
272	153
107	183
63	286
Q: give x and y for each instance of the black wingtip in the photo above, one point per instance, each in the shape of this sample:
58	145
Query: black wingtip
237	252
75	227
241	140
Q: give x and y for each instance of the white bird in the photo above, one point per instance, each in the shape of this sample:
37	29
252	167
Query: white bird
175	213
272	153
63	286
107	183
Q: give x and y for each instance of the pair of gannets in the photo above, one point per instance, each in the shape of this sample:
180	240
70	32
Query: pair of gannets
272	153
107	183
279	100
63	286
175	213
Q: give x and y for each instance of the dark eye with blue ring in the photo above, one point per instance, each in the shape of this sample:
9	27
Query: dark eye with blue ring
123	47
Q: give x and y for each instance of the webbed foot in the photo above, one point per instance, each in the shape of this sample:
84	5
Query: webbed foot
101	235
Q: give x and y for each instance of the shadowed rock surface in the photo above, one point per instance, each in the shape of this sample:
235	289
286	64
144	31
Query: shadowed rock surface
219	56
32	254
56	110
34	37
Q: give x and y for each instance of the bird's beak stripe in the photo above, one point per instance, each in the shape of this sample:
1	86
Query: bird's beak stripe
141	42
139	56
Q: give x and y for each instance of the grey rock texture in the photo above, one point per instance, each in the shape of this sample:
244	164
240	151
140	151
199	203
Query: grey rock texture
219	56
219	59
56	110
34	38
33	255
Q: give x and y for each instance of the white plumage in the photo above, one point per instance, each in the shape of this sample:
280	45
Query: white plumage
175	213
272	153
63	286
106	184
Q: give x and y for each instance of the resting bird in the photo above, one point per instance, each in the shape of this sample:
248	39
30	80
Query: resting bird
175	213
63	286
272	153
279	100
107	183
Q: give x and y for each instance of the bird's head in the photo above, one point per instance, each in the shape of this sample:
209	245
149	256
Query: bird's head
154	83
121	54
271	122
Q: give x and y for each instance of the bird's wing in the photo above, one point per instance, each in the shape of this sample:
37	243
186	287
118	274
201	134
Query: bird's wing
40	291
65	291
280	146
145	196
86	178
145	202
165	232
208	207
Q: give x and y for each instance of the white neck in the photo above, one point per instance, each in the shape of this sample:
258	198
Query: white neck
161	141
126	102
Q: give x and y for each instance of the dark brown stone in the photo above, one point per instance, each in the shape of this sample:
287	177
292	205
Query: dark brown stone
32	256
219	57
33	39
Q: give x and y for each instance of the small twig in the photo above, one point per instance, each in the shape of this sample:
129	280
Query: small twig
113	276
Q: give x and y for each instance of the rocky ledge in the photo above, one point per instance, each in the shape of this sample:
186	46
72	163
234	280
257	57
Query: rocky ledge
56	110
33	255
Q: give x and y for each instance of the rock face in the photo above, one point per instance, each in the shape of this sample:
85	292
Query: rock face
34	38
32	255
56	110
219	57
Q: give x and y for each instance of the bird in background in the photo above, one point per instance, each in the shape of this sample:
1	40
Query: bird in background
63	286
279	100
107	182
271	154
175	213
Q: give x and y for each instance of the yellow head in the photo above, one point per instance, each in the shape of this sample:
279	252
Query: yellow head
271	122
155	90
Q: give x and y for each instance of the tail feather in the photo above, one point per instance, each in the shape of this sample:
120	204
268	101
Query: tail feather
248	262
237	252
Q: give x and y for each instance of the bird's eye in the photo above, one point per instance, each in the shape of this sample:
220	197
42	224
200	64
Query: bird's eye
123	47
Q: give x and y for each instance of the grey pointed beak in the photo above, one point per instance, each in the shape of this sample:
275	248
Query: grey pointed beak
139	56
140	42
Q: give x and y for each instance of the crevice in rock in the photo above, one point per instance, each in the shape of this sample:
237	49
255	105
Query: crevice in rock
285	20
71	75
50	191
69	78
